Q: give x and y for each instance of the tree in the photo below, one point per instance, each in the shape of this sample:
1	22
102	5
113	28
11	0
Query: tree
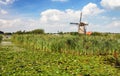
61	33
38	31
96	34
1	32
19	32
8	33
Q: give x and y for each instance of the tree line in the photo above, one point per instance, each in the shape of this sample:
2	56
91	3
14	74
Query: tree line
41	31
35	31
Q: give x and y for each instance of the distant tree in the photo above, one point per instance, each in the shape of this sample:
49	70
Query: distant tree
38	31
74	33
18	32
61	33
28	32
1	32
8	33
96	33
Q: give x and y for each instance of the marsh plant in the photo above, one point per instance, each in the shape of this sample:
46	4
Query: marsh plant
98	45
1	38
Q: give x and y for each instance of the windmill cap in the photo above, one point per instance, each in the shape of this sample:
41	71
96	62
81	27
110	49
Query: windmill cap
83	24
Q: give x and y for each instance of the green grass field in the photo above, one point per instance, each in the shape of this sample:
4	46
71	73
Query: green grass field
49	55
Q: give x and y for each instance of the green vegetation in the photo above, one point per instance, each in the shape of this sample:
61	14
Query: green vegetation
61	55
15	61
85	45
1	32
0	38
36	31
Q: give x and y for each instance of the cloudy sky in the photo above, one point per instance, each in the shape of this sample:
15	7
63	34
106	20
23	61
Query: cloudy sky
56	15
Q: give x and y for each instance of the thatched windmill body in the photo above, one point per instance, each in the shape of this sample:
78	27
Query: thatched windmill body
81	26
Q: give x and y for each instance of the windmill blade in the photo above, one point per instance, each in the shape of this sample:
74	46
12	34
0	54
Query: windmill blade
75	23
80	17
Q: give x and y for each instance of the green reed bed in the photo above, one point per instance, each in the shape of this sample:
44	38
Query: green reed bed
62	43
0	38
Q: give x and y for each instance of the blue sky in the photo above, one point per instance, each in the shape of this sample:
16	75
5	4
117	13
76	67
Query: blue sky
34	7
55	15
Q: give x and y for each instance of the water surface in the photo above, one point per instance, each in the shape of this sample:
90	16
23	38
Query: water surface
4	43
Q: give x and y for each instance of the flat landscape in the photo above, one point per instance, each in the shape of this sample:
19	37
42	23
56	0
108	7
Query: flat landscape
61	55
59	37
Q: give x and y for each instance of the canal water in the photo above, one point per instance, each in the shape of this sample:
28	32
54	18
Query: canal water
4	43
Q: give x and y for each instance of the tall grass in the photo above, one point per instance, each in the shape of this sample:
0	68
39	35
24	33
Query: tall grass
99	45
0	38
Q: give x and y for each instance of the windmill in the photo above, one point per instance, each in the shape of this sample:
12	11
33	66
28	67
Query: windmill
81	26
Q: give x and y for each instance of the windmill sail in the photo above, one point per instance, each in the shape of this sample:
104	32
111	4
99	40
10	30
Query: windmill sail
75	23
80	17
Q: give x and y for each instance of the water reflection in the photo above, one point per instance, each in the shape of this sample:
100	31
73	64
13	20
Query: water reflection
6	43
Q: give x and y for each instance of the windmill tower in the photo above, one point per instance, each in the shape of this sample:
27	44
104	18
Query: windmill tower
81	26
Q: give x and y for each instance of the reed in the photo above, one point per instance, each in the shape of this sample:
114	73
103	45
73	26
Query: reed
1	38
99	45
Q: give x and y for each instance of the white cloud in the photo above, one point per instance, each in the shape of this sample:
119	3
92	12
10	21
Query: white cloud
5	2
8	23
91	9
114	24
54	15
110	4
3	12
12	25
50	15
59	0
53	20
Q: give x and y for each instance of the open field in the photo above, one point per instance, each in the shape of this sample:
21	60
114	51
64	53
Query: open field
61	55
